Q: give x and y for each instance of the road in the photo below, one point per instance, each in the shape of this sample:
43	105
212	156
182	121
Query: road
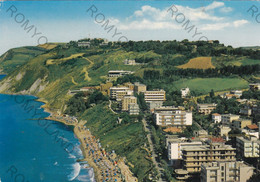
154	155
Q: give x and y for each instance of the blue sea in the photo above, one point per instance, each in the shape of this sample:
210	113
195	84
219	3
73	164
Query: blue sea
33	149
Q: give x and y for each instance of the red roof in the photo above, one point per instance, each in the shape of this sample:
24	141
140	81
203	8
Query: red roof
252	127
217	140
173	130
216	114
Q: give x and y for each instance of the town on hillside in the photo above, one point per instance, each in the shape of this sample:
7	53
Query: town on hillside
214	137
135	91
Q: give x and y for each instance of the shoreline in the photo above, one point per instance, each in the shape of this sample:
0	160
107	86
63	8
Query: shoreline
105	167
86	140
90	162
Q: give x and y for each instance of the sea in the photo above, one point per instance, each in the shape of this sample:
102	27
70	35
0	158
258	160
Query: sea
33	149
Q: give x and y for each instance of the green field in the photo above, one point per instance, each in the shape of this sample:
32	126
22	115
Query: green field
204	85
234	61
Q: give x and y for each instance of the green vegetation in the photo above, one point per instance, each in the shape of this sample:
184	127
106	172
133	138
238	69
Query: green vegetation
204	85
50	74
234	61
127	139
14	58
76	104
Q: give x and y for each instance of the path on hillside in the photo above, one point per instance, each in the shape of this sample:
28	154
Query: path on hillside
85	69
152	148
110	103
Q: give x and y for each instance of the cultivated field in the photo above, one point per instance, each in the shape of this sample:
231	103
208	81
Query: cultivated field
198	63
204	85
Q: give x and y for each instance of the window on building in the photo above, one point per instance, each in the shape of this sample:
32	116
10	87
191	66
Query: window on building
222	168
222	174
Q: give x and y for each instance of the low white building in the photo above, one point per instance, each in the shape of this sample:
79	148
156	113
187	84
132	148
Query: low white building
223	131
228	118
185	92
206	108
254	86
118	73
84	44
216	118
129	62
236	93
246	110
251	130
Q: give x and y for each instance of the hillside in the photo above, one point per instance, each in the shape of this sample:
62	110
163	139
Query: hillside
252	47
16	57
50	74
198	63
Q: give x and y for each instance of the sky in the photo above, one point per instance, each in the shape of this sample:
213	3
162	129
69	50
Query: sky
234	23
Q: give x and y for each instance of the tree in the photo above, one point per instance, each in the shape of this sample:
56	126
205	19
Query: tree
140	100
212	93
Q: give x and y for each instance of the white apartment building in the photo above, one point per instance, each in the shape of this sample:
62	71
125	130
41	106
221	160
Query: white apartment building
175	147
154	98
247	147
154	95
165	116
133	109
114	90
226	171
128	100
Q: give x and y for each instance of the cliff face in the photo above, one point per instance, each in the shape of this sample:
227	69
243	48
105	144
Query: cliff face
51	74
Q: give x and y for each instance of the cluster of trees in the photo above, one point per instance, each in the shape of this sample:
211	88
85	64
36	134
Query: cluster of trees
174	74
169	60
126	118
76	104
223	105
174	99
190	49
128	78
251	95
151	74
141	102
224	71
144	60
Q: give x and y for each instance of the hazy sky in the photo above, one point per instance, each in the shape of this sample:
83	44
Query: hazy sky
62	21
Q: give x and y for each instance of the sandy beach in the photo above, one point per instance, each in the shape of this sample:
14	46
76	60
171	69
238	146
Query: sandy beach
107	165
